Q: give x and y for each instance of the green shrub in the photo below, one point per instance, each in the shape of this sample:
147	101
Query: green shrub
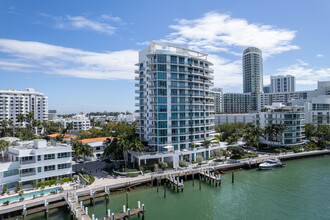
91	179
20	193
194	161
163	165
19	187
218	160
41	184
141	168
132	174
183	163
210	158
4	190
6	202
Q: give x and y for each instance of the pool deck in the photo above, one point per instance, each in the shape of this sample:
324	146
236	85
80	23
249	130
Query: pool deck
113	183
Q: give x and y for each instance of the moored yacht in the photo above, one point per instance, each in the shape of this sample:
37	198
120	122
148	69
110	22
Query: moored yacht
271	163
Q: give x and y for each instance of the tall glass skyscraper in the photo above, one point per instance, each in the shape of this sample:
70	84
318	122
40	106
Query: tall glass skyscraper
253	76
174	97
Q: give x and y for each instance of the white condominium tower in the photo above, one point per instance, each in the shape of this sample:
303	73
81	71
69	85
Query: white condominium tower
174	97
282	84
13	103
253	76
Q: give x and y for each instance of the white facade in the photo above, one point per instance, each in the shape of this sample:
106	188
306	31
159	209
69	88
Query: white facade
234	118
282	83
80	122
218	100
34	160
293	117
13	103
128	118
174	97
317	109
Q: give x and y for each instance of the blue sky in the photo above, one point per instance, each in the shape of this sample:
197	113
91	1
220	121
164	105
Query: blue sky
81	54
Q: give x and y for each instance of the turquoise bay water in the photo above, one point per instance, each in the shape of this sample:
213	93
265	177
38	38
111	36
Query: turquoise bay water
30	195
301	190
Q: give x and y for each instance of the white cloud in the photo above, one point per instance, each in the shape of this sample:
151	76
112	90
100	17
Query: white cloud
319	55
112	18
216	32
29	56
226	73
304	73
83	23
80	22
144	43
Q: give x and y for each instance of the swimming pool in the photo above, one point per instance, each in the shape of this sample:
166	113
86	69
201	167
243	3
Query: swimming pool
29	195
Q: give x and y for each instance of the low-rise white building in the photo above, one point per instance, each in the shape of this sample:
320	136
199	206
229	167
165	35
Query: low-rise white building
97	144
128	118
234	118
79	122
317	109
293	117
34	160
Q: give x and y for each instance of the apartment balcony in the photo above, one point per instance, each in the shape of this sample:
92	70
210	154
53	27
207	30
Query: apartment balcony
24	162
28	174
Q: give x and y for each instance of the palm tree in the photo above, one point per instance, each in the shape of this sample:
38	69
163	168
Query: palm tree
280	129
270	132
12	125
36	124
86	150
20	119
206	143
3	146
29	119
68	127
4	124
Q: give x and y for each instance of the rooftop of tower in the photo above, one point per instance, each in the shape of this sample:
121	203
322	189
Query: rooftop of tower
252	50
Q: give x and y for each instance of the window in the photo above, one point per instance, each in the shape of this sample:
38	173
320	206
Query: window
181	60
49	156
173	59
162	84
174	100
64	155
63	166
161	58
162	92
174	68
162	108
162	132
39	158
49	168
162	116
10	173
162	100
162	124
161	67
161	75
39	169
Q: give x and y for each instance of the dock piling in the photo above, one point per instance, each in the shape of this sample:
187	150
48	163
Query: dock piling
200	183
127	199
232	177
165	190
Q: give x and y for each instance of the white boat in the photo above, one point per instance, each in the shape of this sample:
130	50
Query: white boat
270	164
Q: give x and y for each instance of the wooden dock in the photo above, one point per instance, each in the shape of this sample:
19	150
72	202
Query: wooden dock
174	181
76	209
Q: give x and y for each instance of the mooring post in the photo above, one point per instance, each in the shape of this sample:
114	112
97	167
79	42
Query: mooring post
109	213
129	214
204	175
165	190
24	212
124	208
181	185
200	183
157	184
185	174
127	199
93	217
193	176
86	210
177	184
113	216
232	177
142	211
139	206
